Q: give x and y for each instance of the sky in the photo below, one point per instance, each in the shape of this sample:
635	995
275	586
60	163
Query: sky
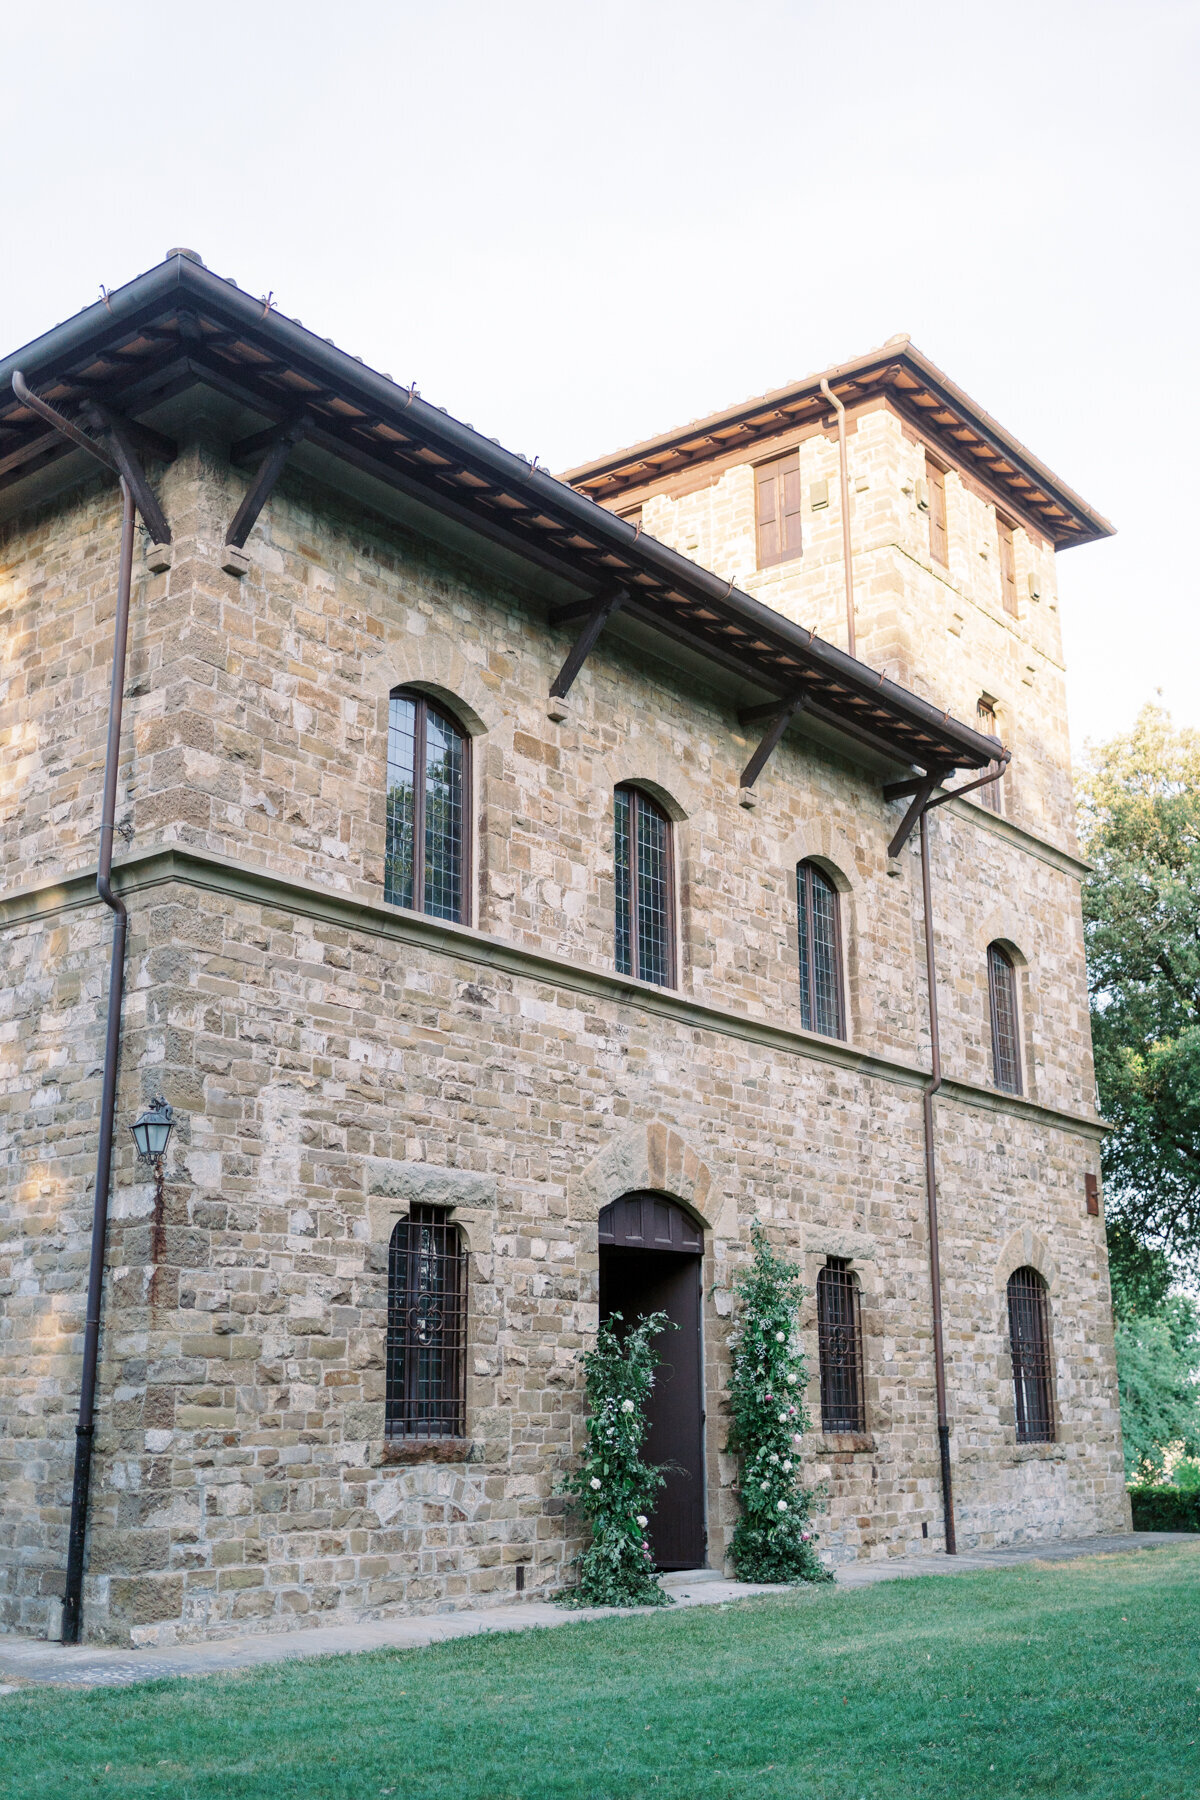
574	226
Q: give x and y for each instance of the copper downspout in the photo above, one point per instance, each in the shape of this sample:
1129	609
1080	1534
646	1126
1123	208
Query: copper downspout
85	1424
935	1263
841	419
85	1428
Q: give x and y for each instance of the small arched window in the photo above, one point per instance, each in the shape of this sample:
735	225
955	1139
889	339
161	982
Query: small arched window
427	861
1029	1339
1006	1043
840	1348
645	882
819	934
425	1394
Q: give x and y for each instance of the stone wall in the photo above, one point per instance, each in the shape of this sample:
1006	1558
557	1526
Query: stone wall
941	630
312	1038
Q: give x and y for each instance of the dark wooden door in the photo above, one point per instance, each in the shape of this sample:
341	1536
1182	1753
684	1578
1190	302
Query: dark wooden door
650	1262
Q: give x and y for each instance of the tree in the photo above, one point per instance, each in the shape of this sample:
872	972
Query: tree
1139	798
1157	1357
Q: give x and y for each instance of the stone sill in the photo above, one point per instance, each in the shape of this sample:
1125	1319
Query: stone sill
426	1450
1039	1453
847	1443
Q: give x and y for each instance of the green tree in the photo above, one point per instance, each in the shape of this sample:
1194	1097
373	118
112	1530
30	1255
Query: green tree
1157	1358
1139	797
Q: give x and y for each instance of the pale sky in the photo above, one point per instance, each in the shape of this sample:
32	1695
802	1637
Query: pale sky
576	225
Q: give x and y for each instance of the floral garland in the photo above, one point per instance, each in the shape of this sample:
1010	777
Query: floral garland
613	1487
774	1539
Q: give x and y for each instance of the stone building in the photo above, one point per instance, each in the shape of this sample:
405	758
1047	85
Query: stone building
511	922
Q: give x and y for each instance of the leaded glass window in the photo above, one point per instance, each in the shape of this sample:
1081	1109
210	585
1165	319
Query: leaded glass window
645	901
426	1328
426	864
1006	1049
840	1348
1029	1339
819	936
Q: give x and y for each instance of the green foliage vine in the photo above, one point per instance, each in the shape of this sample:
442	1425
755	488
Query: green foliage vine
613	1487
774	1540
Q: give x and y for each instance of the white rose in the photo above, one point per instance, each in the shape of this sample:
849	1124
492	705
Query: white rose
792	1380
783	1418
781	1506
787	1465
627	1406
774	1456
796	1438
595	1482
779	1338
764	1485
642	1521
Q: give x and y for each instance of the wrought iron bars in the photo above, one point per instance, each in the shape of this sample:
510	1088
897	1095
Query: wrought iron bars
840	1348
1029	1338
427	1328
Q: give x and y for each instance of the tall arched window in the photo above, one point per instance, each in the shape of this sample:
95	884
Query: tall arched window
840	1348
819	932
427	863
1006	1043
425	1395
644	888
1029	1338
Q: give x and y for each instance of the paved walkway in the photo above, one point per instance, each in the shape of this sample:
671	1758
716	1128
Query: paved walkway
26	1662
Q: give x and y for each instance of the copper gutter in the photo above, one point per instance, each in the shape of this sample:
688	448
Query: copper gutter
842	453
85	1424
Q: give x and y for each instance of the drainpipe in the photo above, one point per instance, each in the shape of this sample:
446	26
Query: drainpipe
935	1265
841	419
85	1425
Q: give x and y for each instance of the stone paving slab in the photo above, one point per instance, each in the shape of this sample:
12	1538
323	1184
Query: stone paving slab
29	1662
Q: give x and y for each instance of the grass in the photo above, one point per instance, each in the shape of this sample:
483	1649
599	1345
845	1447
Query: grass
1067	1680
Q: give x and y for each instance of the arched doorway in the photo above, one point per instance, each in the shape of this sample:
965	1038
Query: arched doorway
650	1261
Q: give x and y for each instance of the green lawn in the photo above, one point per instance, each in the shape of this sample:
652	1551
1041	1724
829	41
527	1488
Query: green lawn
1081	1679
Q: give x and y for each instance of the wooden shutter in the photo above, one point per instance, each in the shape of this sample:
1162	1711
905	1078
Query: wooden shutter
936	479
986	714
777	490
768	516
1008	565
789	484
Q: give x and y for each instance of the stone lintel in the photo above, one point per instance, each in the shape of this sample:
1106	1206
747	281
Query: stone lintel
427	1184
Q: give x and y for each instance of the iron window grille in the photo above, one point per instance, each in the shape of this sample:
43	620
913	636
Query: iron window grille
989	796
645	888
819	935
1002	995
1029	1339
427	1328
427	858
840	1348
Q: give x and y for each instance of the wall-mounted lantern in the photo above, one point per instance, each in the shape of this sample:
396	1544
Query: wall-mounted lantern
152	1129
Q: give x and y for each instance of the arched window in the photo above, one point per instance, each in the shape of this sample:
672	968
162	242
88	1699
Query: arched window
819	932
840	1348
1029	1338
1006	1043
427	863
644	888
427	1328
